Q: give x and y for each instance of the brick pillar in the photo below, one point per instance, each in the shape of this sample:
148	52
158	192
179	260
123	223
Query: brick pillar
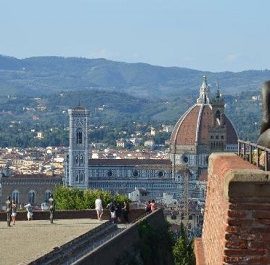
237	214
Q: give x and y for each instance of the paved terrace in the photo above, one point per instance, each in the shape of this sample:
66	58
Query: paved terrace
27	241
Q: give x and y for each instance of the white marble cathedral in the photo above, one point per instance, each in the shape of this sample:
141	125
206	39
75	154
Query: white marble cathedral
203	129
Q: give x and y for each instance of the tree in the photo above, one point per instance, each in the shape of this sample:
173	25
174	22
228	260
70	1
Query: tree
183	249
68	198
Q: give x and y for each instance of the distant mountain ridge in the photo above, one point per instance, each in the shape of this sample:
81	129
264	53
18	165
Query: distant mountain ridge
48	75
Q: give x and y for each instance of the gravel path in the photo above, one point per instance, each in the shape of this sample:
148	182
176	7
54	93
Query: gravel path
27	241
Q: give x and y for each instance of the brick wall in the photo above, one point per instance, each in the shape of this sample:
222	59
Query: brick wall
237	214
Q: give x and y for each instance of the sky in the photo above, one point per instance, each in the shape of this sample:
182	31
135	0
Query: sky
212	35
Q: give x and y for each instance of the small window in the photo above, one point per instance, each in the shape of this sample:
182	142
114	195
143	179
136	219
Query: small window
109	173
222	137
160	174
135	173
217	137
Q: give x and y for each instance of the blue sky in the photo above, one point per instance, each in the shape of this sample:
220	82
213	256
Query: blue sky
213	35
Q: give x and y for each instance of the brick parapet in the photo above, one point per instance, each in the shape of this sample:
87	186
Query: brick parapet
237	220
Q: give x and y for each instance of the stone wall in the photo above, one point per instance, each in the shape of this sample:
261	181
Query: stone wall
114	250
73	214
237	220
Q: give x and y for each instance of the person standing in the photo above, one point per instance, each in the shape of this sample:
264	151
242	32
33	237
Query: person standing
13	211
118	211
99	208
112	209
153	205
148	207
51	208
29	210
8	210
125	211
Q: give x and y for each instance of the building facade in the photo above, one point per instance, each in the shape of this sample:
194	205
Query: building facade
35	188
203	129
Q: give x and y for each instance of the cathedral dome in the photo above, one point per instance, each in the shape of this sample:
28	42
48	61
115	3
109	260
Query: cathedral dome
205	123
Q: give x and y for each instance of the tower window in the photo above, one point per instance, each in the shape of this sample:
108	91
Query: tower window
79	136
81	177
81	159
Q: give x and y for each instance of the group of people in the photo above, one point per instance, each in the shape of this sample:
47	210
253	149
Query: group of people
11	210
117	210
150	206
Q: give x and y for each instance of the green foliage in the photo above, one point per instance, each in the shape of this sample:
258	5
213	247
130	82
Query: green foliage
36	93
183	249
155	245
68	198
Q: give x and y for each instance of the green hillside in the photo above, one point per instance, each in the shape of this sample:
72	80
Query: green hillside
46	75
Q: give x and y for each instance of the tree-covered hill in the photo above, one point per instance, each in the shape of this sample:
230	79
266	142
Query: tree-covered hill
47	75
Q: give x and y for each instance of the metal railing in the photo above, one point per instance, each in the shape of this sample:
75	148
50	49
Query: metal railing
256	154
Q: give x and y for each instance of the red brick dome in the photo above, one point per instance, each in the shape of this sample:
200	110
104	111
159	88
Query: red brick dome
204	121
193	127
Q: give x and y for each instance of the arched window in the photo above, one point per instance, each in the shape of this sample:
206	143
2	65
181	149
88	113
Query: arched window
218	114
15	196
81	177
160	174
81	159
47	195
135	173
79	136
77	177
218	117
32	196
77	160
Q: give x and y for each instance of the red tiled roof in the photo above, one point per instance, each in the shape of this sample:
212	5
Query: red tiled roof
33	176
194	126
128	162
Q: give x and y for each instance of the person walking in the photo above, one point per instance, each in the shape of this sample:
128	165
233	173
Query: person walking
99	208
13	211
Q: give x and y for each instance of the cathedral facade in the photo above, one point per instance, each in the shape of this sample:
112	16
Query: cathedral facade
203	129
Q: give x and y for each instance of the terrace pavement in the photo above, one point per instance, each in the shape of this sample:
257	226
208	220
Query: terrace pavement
27	241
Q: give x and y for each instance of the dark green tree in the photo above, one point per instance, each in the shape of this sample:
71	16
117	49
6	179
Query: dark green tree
183	249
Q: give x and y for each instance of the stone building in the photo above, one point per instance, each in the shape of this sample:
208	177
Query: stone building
35	188
203	129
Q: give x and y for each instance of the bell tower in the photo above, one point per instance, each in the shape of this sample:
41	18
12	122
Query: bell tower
217	133
78	147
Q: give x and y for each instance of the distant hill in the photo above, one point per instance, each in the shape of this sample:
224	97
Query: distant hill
48	75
